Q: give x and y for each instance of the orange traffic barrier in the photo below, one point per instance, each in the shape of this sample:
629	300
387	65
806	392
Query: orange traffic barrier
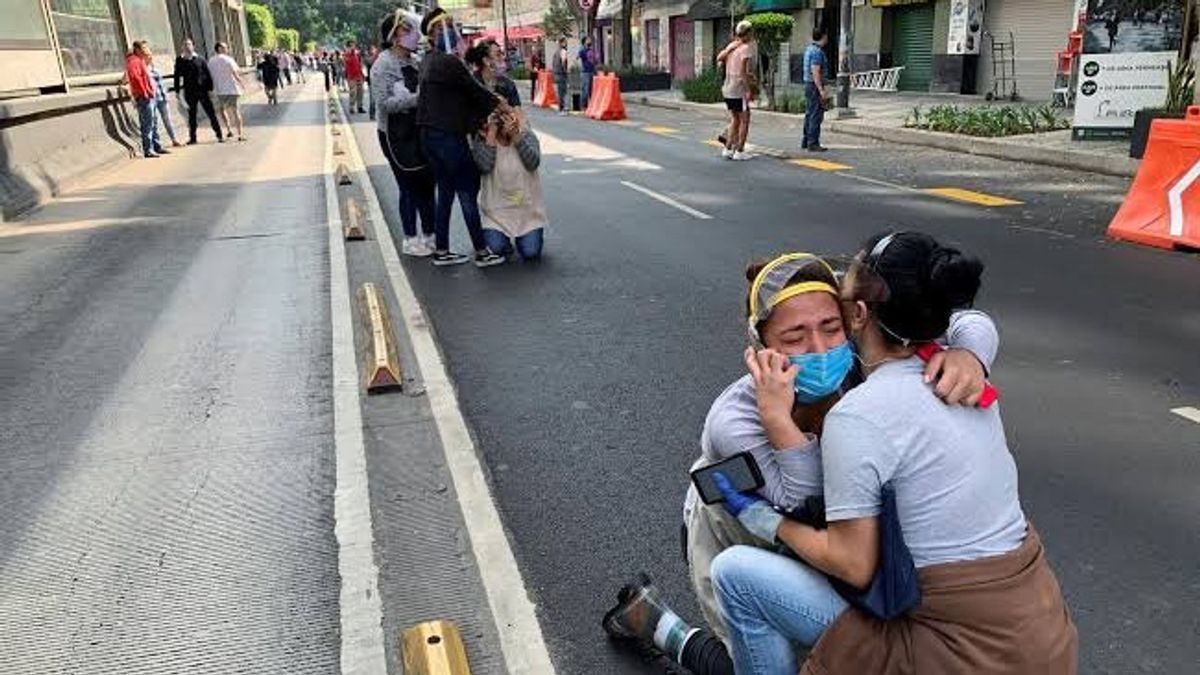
606	103
544	95
1162	208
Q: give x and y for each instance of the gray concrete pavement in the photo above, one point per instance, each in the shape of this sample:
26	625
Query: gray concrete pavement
587	377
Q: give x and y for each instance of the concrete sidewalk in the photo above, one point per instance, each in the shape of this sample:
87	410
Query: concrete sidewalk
881	117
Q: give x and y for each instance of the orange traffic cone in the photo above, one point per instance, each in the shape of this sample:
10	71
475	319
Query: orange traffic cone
545	97
1162	208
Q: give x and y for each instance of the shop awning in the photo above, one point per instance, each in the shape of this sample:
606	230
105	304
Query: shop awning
707	10
609	9
514	33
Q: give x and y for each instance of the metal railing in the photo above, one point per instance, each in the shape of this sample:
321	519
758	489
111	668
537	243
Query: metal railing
884	79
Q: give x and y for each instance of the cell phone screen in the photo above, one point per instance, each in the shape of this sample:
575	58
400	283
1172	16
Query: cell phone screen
741	469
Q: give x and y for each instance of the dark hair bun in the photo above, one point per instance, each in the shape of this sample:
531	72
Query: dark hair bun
954	277
754	268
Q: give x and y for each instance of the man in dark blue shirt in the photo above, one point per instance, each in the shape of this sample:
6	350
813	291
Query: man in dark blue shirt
815	68
587	67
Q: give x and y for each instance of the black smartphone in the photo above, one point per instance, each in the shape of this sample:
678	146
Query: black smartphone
741	470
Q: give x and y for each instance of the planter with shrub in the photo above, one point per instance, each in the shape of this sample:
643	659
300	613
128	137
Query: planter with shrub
1181	91
639	78
987	121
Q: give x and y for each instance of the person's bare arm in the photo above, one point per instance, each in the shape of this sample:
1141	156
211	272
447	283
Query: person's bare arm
848	550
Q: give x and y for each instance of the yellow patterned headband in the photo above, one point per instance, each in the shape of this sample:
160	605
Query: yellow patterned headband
790	291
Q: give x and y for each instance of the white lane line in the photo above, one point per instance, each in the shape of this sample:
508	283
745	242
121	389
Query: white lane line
520	634
667	200
361	612
1188	413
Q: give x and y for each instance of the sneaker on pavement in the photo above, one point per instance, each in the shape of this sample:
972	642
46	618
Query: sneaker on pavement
727	153
740	156
447	258
486	258
415	246
428	241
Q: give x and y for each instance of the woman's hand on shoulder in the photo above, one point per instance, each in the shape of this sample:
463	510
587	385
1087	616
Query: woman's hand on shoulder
957	377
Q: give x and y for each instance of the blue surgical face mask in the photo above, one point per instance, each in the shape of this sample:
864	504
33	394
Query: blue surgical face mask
821	374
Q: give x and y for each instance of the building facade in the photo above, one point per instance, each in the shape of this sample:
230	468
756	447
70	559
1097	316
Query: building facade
683	37
51	45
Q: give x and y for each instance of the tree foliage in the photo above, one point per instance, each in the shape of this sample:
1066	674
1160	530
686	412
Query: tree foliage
771	30
289	39
559	20
260	24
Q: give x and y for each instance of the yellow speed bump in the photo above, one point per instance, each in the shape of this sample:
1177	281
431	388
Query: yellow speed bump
434	648
383	366
972	197
820	164
354	229
343	175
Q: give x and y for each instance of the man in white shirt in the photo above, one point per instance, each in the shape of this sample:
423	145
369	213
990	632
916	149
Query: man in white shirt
228	87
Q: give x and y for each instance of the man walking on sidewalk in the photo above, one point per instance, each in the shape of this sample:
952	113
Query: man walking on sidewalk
191	71
587	71
561	67
814	91
141	89
354	76
228	87
739	89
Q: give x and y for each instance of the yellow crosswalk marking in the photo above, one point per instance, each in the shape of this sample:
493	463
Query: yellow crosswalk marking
660	130
820	164
972	197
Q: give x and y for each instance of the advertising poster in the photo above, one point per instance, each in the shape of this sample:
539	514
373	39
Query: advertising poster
1113	87
1128	48
966	26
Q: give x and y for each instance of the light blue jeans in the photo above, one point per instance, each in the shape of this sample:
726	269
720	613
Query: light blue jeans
771	603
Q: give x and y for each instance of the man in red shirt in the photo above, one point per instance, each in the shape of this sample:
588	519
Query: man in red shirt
141	90
354	75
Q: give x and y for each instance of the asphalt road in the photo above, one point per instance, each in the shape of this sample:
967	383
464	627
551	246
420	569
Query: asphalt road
586	378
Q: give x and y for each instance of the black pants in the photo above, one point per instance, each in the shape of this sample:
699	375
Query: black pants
326	73
204	102
416	193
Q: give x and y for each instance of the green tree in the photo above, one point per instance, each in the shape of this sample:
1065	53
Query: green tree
771	30
289	39
260	24
559	21
310	46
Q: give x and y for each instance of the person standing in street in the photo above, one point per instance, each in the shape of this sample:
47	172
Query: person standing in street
368	64
453	104
395	78
141	89
815	93
354	77
228	87
325	65
739	89
191	71
561	65
268	69
587	71
285	65
537	63
162	105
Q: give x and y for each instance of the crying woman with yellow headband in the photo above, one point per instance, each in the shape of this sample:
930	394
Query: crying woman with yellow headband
798	363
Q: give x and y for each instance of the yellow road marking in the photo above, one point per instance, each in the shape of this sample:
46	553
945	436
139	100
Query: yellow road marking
625	123
972	197
660	130
820	164
715	143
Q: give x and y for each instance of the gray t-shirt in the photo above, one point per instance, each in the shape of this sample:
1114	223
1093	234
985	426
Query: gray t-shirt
955	480
790	475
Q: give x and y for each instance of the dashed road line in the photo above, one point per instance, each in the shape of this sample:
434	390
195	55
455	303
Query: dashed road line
820	164
667	200
661	131
972	197
1188	413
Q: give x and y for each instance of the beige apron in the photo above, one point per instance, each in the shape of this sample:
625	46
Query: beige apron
510	197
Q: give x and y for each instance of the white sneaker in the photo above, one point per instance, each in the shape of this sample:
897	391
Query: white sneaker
428	241
415	246
740	156
726	153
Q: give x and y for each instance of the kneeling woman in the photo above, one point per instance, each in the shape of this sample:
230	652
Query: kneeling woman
510	194
991	603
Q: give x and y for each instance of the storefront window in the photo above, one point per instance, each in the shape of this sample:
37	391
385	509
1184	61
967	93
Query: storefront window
89	36
148	20
22	25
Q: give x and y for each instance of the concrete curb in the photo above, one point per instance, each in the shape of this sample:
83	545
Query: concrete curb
1079	160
